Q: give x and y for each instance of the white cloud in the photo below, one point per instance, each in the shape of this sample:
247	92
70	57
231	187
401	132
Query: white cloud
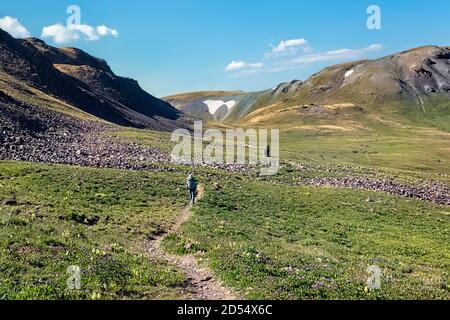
14	27
292	54
334	55
289	45
104	31
235	65
60	33
243	66
89	32
63	34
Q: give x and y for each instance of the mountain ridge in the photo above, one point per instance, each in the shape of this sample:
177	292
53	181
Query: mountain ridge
404	83
78	79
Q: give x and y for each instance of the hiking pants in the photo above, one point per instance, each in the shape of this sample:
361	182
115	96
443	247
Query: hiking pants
192	195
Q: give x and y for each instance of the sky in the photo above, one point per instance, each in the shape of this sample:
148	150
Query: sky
174	46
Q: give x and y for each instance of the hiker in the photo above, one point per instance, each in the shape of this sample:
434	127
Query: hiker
192	187
267	151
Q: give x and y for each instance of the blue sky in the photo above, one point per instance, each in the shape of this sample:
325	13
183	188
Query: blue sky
173	46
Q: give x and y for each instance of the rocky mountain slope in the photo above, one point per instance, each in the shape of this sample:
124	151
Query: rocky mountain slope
229	105
206	105
72	81
411	75
34	134
413	83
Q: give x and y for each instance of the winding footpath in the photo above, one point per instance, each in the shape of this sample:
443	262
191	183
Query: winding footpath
201	281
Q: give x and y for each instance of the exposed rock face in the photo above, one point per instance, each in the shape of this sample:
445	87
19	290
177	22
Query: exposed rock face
287	88
221	113
69	56
426	69
85	82
195	109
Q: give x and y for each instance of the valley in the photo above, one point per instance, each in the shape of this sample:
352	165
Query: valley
86	180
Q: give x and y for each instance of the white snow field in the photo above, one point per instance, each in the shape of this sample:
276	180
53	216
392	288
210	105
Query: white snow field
213	105
348	73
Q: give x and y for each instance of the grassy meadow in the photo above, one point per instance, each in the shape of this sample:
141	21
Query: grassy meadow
261	237
95	219
280	242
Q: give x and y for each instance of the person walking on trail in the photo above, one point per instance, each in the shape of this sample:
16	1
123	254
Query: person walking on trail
192	187
267	151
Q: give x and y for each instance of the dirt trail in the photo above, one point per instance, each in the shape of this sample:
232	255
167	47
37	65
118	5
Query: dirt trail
201	281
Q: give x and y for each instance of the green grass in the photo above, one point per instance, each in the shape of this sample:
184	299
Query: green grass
407	150
279	242
394	138
95	219
267	240
437	113
148	138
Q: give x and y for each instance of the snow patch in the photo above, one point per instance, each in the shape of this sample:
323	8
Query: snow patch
348	73
230	104
214	105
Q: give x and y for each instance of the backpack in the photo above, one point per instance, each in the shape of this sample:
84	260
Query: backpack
191	184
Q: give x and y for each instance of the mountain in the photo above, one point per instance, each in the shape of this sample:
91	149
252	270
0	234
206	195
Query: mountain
413	84
73	82
229	106
206	105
